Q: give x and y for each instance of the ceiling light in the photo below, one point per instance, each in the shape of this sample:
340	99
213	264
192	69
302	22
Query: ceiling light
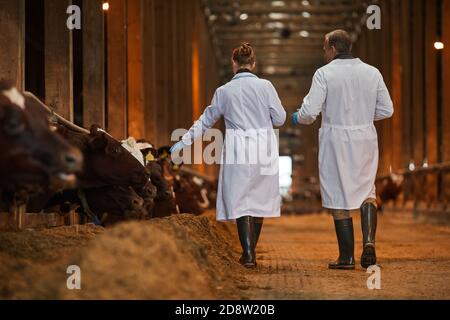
306	14
278	3
270	70
276	15
243	16
438	45
105	6
304	34
275	25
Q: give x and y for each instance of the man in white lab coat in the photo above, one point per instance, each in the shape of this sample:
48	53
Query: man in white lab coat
351	95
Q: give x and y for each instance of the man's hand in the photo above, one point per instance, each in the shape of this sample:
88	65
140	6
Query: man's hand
296	119
177	146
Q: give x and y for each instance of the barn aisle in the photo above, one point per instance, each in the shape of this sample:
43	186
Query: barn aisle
414	259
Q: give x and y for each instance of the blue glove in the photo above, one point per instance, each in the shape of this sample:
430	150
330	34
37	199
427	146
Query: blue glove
296	119
177	146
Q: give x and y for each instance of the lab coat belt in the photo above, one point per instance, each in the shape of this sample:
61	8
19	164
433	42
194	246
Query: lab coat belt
356	127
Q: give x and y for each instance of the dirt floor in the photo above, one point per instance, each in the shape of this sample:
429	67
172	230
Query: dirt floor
186	257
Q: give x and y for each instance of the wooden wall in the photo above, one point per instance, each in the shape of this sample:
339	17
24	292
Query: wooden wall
12	41
148	66
418	77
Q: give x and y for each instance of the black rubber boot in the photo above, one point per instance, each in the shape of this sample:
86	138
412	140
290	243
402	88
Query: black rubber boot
258	226
369	229
246	230
346	242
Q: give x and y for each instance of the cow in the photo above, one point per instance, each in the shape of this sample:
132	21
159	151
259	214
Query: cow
33	157
193	194
105	205
164	202
107	164
389	189
112	169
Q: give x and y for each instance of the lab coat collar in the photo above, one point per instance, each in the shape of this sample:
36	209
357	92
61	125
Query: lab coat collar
344	56
244	75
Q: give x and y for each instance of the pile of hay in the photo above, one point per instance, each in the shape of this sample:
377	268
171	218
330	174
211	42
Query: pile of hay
180	257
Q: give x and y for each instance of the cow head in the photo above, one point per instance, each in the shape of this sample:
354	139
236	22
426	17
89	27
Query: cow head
107	162
118	201
32	156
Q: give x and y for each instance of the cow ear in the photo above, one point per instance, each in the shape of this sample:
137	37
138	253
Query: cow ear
98	141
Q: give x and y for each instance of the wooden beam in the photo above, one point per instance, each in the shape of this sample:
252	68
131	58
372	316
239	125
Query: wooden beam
149	70
160	41
136	119
172	91
293	10
446	97
430	89
418	83
117	69
58	58
385	37
12	41
406	71
397	142
93	64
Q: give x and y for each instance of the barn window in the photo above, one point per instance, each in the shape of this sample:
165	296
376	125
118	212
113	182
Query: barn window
285	175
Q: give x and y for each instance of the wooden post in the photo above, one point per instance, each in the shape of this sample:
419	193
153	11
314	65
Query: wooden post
189	30
136	119
12	41
175	107
17	213
387	129
396	88
93	64
417	93
117	69
149	69
58	58
446	97
418	114
161	84
430	89
406	64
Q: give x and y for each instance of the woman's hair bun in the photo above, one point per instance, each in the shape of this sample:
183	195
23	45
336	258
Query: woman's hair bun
246	50
244	55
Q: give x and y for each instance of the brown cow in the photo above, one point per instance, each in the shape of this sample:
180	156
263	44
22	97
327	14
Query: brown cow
389	189
107	164
33	157
165	204
106	204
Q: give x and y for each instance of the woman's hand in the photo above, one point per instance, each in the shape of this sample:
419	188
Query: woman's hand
296	119
177	147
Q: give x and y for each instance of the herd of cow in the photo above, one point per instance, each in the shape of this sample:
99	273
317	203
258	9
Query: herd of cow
55	166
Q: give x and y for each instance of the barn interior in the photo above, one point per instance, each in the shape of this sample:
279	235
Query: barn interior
144	68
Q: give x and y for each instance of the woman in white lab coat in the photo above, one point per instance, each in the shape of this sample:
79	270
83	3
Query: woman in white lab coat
248	190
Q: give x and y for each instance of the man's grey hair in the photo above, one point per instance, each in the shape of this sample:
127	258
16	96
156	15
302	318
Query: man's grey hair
340	40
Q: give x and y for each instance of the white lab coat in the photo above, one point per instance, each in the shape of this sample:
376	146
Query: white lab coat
351	95
251	108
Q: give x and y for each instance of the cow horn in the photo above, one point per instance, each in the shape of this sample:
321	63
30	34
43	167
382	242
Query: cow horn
60	119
